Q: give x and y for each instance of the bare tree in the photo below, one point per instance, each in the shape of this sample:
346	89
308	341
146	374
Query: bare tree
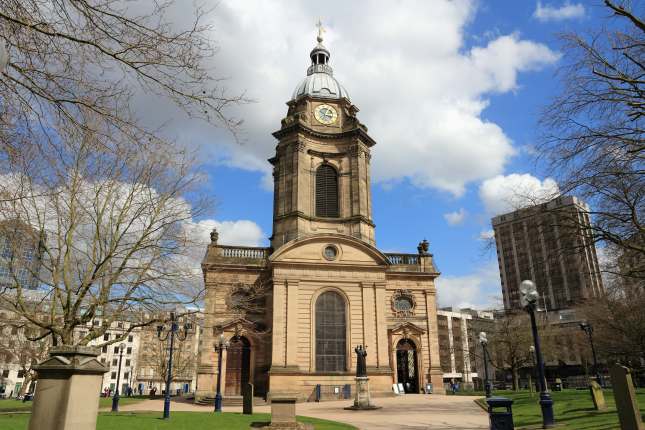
70	55
110	214
511	340
593	131
618	322
156	354
17	348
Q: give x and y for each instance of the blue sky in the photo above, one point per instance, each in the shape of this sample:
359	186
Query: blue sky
450	90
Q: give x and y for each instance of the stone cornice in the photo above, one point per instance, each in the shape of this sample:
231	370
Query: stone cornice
358	131
299	214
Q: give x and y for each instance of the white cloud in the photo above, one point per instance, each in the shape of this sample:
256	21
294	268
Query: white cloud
479	290
420	91
502	194
486	234
240	232
455	218
568	10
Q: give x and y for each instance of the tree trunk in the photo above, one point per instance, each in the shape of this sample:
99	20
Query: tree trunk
516	379
25	383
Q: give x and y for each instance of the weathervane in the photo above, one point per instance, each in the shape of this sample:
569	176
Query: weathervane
321	30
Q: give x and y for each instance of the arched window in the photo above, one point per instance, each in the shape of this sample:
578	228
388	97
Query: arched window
330	333
326	192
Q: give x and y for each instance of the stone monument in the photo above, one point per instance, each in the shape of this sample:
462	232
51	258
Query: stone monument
247	399
67	394
283	413
597	396
362	399
625	396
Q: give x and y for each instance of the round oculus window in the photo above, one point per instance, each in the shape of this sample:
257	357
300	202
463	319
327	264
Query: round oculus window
330	252
403	303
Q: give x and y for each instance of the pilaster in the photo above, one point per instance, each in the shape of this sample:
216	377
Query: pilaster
383	360
292	323
369	322
278	356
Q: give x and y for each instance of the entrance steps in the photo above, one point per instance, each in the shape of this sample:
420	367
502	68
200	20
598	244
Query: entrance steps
230	401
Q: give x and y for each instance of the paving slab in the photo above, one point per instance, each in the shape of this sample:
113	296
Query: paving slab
409	412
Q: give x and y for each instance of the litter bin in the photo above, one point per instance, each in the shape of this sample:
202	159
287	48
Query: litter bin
500	420
558	385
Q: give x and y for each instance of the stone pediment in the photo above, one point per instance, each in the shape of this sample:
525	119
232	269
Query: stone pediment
329	249
241	327
406	329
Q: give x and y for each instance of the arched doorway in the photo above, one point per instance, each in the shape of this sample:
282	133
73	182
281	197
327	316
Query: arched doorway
238	366
406	365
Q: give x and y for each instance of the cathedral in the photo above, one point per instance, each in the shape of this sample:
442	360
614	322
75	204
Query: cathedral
287	318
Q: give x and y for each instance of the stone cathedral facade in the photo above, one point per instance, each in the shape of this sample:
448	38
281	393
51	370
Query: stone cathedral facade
291	314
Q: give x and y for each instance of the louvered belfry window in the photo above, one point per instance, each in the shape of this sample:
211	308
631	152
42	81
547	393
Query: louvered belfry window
330	333
326	192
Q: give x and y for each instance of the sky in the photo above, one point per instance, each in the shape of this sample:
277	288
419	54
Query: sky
451	91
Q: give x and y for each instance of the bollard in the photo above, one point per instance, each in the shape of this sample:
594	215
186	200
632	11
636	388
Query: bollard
318	392
347	391
500	420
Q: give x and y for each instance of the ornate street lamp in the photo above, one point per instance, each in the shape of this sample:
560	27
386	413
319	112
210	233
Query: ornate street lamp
483	340
171	332
115	399
220	347
529	298
588	329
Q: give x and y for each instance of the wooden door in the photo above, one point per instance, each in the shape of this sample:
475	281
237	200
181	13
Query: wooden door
238	360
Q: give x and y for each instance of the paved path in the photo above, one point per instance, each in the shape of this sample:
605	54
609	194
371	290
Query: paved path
410	412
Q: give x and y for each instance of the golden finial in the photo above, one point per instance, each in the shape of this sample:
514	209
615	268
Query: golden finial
321	30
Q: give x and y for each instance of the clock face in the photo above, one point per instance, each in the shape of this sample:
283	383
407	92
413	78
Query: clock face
325	114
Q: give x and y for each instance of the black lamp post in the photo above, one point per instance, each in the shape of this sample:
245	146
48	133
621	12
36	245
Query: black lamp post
529	298
483	340
170	332
587	328
115	399
220	347
533	369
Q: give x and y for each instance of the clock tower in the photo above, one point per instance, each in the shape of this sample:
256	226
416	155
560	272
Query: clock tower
321	169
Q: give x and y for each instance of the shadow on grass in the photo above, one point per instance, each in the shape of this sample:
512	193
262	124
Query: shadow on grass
260	424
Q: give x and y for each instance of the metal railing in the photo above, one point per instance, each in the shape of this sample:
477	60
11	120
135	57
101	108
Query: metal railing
332	392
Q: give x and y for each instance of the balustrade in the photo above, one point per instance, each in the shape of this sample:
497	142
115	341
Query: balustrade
404	259
244	252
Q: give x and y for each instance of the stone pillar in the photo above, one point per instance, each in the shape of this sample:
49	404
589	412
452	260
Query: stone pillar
362	399
67	394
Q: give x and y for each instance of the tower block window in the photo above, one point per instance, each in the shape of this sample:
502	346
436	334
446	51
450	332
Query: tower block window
326	192
330	333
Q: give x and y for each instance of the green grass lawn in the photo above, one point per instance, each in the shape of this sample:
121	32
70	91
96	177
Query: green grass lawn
178	421
573	409
10	405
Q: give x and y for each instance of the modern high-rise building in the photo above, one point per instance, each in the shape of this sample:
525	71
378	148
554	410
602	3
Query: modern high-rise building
550	244
19	260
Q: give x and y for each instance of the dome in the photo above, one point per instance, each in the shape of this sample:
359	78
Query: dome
320	85
320	81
